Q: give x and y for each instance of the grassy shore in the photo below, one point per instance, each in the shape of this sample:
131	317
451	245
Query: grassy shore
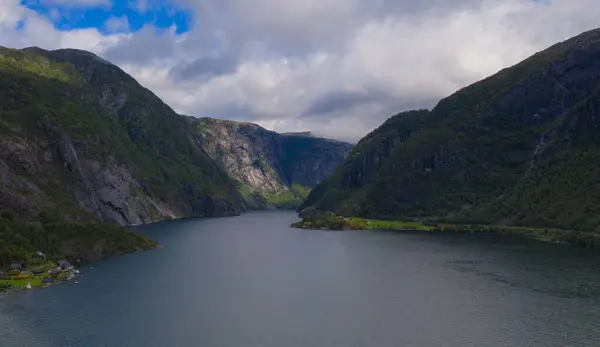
331	222
19	280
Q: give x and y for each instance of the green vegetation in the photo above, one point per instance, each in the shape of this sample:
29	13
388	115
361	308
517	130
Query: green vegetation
31	61
287	199
300	192
21	279
390	224
57	237
314	219
518	148
72	125
139	132
283	200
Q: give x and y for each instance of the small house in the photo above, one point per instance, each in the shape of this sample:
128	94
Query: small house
37	271
38	256
47	280
64	265
15	268
2	276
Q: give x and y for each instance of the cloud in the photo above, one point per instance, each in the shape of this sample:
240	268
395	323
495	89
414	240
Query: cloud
341	100
337	68
77	3
207	67
139	5
22	27
117	24
146	45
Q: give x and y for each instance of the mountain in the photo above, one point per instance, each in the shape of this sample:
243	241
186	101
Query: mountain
85	149
518	148
82	142
271	170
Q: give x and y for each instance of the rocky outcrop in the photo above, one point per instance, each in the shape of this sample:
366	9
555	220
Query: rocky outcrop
247	151
272	170
107	190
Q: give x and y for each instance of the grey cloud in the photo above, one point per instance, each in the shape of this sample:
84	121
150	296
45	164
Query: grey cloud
206	67
292	28
414	52
412	8
336	67
236	112
145	46
341	100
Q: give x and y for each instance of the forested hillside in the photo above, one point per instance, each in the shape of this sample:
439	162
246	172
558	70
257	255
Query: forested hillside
518	148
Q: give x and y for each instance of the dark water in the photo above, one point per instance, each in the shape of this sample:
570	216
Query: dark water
251	281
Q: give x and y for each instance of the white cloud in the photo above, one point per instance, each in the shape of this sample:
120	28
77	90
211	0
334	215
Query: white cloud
21	27
336	67
117	24
77	3
10	14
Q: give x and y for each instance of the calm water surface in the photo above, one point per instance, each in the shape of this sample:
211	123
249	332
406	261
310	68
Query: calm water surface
252	281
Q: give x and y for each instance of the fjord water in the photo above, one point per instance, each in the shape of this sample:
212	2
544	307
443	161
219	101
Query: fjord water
252	281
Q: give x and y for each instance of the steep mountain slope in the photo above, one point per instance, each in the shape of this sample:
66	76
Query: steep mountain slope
271	169
517	148
83	141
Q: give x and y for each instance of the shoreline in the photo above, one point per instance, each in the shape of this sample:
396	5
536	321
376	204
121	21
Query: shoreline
154	246
74	273
547	235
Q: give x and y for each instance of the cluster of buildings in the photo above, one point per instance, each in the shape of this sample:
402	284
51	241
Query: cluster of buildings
61	272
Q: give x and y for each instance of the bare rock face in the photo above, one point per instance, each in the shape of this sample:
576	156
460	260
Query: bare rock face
248	152
115	195
105	189
15	151
268	165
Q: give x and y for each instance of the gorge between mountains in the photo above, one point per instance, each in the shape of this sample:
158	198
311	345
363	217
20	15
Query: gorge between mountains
85	150
92	164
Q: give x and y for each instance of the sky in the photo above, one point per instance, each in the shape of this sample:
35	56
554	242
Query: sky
338	68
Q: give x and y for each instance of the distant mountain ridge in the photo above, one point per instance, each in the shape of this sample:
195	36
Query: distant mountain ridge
517	148
272	170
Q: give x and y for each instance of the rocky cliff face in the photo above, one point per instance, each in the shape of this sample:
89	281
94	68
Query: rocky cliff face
517	148
84	148
33	172
271	169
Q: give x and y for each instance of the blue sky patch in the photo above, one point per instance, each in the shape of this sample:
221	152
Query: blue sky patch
67	16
